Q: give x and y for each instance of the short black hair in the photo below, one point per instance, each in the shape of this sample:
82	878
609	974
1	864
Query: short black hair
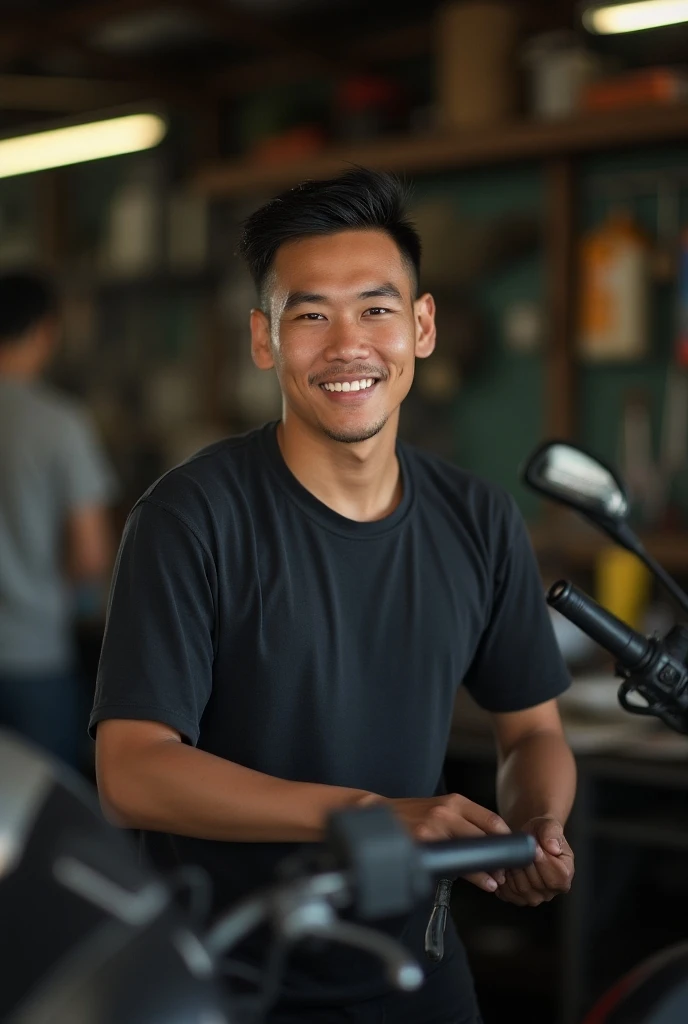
26	299
357	200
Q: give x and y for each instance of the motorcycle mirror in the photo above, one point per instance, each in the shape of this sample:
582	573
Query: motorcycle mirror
568	474
572	476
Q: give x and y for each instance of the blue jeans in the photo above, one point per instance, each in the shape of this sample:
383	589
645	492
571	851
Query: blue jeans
47	709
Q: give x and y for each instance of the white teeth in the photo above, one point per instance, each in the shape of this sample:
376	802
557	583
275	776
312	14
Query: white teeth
354	385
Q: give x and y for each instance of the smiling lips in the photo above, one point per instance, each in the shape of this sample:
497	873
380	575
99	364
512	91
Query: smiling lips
349	385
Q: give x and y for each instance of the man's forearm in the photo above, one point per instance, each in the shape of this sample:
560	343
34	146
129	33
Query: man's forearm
172	787
536	779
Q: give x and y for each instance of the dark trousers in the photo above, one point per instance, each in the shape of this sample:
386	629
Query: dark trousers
47	709
447	997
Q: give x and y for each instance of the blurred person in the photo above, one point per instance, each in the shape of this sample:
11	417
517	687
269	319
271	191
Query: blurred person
293	611
55	484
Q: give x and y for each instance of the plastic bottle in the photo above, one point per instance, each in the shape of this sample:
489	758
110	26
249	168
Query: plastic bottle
614	290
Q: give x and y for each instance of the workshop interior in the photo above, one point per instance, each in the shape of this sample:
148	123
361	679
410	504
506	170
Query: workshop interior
545	144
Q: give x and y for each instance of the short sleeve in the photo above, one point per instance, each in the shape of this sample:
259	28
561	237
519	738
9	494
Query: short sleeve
518	663
85	476
157	656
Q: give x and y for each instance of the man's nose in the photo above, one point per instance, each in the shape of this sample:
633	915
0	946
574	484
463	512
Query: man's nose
346	342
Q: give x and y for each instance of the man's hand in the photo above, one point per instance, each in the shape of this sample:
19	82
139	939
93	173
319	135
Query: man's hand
449	817
550	874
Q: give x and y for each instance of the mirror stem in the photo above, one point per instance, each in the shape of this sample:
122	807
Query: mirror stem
625	536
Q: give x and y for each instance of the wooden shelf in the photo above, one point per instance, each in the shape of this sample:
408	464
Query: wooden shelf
511	142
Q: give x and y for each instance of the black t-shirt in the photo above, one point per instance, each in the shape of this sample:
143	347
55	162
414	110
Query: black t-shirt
272	631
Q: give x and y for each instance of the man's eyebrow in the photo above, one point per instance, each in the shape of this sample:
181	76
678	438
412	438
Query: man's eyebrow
388	291
299	298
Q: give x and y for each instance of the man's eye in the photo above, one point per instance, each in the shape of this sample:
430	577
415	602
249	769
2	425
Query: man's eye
376	310
311	316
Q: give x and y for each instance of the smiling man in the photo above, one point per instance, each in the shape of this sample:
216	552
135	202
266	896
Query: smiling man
293	611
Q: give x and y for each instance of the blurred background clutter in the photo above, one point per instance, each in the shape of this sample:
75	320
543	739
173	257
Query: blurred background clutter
547	143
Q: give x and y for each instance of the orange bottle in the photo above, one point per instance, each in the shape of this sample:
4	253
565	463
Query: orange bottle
614	290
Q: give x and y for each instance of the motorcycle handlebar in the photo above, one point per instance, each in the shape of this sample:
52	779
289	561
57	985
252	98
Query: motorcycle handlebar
629	647
438	859
463	856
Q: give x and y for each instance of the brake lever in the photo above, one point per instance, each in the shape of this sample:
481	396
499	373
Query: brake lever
434	933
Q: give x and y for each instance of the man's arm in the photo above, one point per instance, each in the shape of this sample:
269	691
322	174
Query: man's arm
536	785
149	778
88	542
536	775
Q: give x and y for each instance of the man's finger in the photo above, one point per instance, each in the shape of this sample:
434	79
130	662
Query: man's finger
519	885
439	826
507	895
535	877
551	875
487	820
558	873
550	835
518	881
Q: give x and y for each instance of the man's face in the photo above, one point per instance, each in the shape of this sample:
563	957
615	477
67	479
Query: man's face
343	331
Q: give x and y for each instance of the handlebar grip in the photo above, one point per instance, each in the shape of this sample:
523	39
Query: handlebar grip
448	858
628	646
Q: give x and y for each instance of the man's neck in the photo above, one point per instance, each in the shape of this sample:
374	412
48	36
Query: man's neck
359	481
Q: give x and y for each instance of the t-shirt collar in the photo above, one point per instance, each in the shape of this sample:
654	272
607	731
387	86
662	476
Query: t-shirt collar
317	510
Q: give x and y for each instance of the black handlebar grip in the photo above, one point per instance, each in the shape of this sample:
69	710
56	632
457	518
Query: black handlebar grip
629	647
462	856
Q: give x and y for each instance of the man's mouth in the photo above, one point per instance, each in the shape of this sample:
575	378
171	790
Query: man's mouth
357	384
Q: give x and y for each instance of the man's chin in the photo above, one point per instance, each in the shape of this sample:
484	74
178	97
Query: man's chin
355	435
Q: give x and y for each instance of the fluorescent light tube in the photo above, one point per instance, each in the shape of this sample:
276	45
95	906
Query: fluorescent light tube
58	147
613	19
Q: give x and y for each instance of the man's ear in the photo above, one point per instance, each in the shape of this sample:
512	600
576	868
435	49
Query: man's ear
261	349
426	332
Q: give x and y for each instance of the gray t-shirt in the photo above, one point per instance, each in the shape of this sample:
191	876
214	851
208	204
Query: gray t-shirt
50	464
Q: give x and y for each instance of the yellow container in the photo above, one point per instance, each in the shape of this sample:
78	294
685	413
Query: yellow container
623	585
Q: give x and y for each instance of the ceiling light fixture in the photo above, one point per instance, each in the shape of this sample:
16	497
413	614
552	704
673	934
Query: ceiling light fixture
615	18
75	144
